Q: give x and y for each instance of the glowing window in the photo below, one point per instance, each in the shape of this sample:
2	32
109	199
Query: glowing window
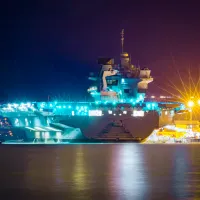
37	134
95	113
58	135
137	113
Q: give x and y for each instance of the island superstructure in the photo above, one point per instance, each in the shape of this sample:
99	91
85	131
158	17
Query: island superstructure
122	82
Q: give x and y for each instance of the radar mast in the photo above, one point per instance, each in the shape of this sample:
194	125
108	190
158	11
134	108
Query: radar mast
122	40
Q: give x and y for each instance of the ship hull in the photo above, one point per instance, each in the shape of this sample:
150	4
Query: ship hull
96	126
109	127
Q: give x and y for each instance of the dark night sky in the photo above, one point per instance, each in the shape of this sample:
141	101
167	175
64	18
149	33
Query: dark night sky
49	47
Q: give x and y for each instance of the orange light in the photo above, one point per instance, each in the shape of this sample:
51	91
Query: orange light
190	104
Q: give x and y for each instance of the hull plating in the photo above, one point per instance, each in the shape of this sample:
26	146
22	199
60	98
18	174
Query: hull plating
95	126
90	127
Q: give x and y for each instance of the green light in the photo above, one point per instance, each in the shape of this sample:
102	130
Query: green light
148	106
141	97
42	105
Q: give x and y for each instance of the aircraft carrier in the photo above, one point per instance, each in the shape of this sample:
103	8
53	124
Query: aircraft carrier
120	110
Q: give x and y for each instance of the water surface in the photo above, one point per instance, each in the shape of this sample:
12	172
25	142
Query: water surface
100	171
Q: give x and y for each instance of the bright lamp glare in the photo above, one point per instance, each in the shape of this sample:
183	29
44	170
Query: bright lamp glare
190	103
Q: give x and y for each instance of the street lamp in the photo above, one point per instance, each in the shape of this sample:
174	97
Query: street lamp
190	105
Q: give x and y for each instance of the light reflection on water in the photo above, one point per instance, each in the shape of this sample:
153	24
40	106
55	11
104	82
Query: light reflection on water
101	171
180	165
128	176
80	170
